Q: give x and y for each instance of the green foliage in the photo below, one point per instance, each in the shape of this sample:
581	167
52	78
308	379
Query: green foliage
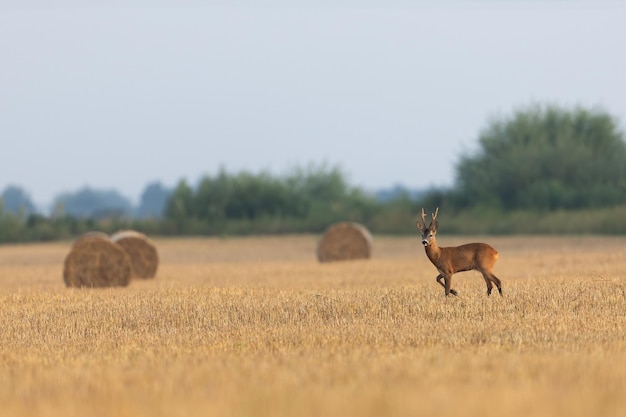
545	157
477	221
10	225
179	206
306	199
153	201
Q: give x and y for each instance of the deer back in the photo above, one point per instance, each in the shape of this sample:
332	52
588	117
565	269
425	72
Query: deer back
471	256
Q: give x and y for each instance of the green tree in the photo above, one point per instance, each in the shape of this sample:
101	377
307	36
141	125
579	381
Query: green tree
256	196
11	225
304	200
545	157
179	207
153	201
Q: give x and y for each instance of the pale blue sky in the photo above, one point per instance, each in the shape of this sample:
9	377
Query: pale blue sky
123	93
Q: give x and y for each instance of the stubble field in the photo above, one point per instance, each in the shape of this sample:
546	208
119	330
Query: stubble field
256	327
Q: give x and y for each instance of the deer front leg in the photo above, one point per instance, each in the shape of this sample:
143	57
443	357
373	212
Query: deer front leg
446	285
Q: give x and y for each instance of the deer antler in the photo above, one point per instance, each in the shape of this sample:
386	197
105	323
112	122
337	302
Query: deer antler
423	220
433	221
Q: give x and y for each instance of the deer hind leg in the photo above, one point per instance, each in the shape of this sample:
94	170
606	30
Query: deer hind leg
489	279
446	284
496	281
488	282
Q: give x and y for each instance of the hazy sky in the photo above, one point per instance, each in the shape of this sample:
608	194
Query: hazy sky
125	93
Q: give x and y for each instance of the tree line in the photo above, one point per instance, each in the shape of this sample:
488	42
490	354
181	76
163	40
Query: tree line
89	202
542	169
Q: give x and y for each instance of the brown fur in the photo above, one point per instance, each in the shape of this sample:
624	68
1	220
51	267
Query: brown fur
448	261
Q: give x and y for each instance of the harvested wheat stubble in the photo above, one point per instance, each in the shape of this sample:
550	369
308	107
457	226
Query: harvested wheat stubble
95	261
143	254
344	241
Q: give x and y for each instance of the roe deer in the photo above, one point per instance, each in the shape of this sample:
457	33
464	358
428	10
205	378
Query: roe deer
471	256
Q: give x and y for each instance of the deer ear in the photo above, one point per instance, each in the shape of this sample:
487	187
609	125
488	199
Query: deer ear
434	226
420	227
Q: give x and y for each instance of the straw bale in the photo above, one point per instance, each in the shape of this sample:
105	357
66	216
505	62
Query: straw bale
143	254
94	234
344	241
95	261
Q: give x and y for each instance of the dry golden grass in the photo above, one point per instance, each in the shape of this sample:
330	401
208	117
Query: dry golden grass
257	327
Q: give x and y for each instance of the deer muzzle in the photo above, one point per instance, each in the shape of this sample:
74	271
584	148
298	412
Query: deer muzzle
424	242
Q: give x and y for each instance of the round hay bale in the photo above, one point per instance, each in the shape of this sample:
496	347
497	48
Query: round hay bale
143	254
95	261
87	235
344	241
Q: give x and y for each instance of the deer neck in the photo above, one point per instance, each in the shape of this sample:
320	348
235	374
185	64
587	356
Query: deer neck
433	251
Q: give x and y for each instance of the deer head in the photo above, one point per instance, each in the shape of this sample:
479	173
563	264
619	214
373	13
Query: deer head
428	233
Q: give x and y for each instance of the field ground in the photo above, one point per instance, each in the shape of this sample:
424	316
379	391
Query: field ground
256	327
